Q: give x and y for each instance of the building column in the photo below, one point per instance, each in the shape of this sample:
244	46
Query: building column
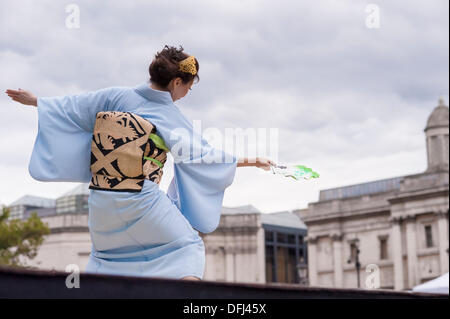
397	253
337	257
411	250
312	260
261	254
209	264
229	261
443	241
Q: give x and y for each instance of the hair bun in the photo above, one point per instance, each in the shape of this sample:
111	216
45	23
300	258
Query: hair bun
164	66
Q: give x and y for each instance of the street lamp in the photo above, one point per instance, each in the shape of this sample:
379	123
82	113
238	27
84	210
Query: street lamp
355	258
302	270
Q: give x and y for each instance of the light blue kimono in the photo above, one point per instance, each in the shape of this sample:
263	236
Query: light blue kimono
147	233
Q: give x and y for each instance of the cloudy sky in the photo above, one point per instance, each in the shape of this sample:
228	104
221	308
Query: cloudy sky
348	100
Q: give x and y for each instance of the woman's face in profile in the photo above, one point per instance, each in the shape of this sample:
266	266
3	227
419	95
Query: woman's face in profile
179	89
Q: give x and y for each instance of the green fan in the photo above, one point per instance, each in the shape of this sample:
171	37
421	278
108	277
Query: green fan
297	172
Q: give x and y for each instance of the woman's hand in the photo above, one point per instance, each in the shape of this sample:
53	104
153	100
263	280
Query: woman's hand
22	96
264	163
260	162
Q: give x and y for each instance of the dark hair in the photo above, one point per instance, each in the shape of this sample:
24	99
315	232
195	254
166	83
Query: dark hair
164	66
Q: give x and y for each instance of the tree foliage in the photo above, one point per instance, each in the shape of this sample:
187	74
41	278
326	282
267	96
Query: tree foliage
20	239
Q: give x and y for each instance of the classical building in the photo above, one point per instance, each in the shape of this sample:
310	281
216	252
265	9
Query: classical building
247	246
395	230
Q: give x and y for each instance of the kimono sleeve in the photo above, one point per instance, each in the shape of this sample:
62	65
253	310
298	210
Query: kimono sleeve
61	151
201	176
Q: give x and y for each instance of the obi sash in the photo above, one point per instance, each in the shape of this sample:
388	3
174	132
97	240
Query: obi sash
125	151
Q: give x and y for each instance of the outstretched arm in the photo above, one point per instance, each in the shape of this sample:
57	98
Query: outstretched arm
260	162
62	147
22	96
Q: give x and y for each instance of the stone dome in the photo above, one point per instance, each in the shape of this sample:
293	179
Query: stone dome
439	116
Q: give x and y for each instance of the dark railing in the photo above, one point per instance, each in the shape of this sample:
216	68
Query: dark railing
24	283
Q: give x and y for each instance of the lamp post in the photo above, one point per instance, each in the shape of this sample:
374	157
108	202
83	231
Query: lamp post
355	258
302	270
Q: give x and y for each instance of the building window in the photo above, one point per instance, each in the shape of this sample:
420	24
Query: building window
291	239
16	212
383	249
283	252
301	255
281	238
353	251
291	266
270	265
286	265
429	236
269	235
282	260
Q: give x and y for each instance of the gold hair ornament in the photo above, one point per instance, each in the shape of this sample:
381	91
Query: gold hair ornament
188	65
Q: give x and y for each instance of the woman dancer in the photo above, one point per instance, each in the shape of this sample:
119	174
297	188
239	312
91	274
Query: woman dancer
137	229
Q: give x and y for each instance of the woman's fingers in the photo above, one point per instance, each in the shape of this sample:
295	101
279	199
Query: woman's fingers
18	96
16	92
9	91
265	164
22	96
15	96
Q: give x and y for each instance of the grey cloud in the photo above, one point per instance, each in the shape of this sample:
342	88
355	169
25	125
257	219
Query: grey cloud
334	88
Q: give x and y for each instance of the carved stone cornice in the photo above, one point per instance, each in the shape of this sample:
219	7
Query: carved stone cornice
311	239
442	213
229	250
336	236
383	236
419	194
396	220
328	217
237	230
410	218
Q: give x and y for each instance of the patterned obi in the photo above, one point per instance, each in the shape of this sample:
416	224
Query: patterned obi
125	151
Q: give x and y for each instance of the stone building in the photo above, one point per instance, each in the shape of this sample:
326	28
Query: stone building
396	228
247	246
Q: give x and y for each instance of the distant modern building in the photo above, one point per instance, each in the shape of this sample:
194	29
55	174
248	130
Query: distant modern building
22	207
74	201
396	228
247	246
